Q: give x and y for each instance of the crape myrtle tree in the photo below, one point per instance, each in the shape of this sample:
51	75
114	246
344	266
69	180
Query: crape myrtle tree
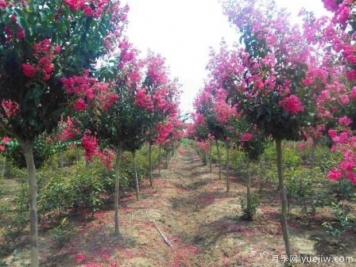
168	135
159	95
268	75
204	105
41	43
338	34
198	131
121	120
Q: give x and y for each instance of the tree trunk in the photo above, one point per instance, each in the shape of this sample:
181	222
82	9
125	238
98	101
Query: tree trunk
159	159
31	171
283	192
249	208
150	163
312	157
219	157
167	155
3	170
136	177
77	154
210	161
61	159
227	166
262	173
117	183
203	156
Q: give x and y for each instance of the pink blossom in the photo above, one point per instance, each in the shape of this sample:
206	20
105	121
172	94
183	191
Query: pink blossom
10	107
353	92
29	70
334	174
291	104
5	140
80	104
80	257
3	4
90	145
246	137
345	121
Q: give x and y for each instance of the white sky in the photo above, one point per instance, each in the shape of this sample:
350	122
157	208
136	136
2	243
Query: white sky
183	30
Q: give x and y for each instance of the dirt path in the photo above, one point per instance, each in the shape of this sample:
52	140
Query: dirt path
200	220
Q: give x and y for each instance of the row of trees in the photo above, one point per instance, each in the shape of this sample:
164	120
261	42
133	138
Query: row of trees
282	82
68	72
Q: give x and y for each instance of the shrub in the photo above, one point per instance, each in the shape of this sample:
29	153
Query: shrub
307	190
249	213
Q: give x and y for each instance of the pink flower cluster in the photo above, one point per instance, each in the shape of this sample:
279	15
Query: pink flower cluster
88	91
43	65
144	100
10	107
3	142
345	142
90	145
92	8
291	104
204	145
246	137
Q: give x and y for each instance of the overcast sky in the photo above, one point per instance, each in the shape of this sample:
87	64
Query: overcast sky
183	30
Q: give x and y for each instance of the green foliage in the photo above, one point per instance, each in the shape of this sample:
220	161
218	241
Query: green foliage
307	189
16	217
290	154
185	142
249	212
237	159
56	194
42	100
342	223
61	234
347	190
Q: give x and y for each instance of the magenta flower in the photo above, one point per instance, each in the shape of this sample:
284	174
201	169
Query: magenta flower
291	104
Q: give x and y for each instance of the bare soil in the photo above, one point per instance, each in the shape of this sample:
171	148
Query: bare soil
200	220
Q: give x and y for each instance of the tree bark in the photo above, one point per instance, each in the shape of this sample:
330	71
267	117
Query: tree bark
283	193
150	163
159	159
167	155
117	183
31	171
227	144
219	157
249	208
136	177
3	171
61	159
210	161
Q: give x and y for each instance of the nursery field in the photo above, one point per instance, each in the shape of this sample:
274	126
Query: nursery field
188	219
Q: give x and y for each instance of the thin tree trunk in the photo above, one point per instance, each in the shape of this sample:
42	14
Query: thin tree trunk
3	167
150	163
117	183
219	157
136	177
312	157
31	171
204	158
61	159
283	192
262	174
159	159
77	154
227	166
210	160
167	155
249	210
